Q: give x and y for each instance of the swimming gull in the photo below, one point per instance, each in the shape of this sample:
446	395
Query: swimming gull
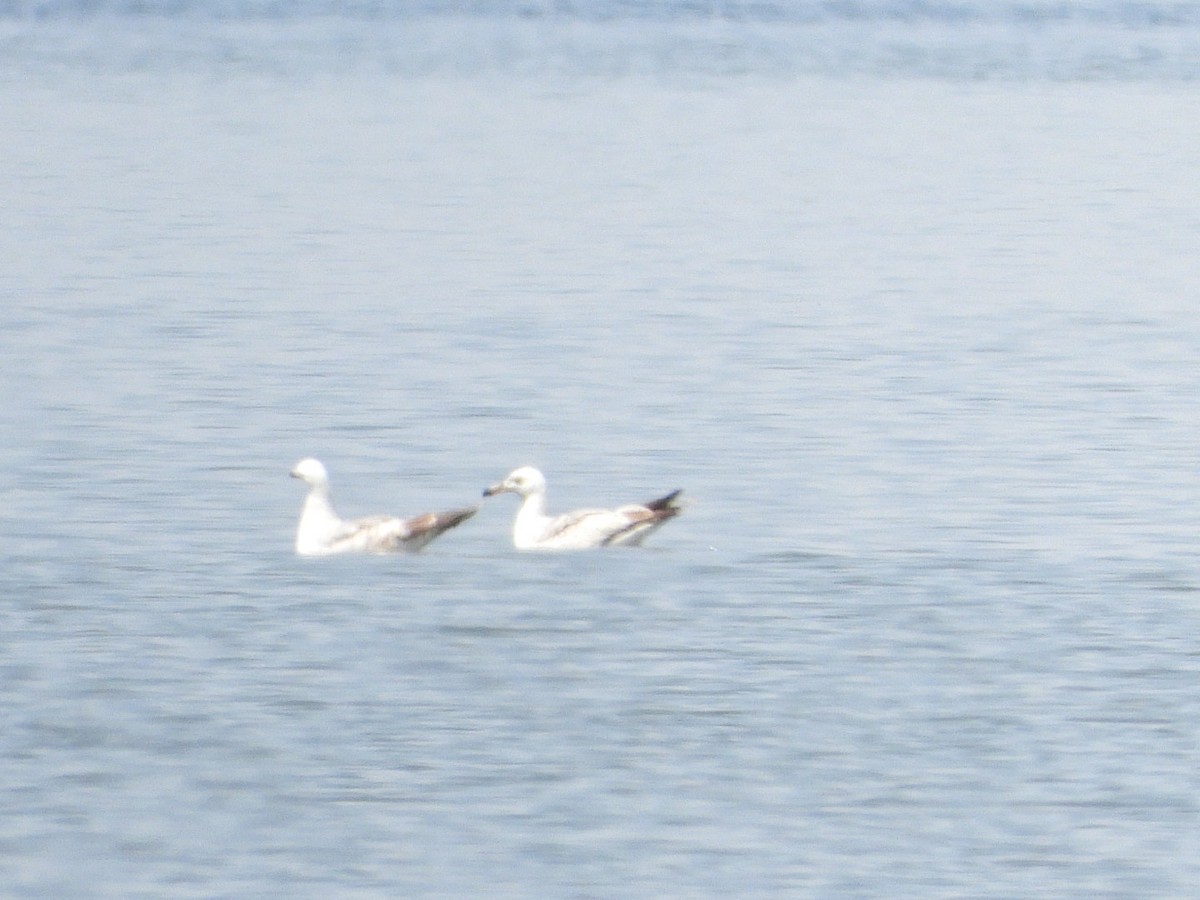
533	529
322	532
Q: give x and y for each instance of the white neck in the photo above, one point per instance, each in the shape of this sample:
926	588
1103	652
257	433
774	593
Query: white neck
531	520
318	520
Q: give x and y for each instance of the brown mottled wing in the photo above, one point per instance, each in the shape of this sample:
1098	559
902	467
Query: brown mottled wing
645	518
368	534
423	529
565	523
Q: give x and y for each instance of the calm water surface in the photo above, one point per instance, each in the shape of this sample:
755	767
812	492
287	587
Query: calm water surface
921	348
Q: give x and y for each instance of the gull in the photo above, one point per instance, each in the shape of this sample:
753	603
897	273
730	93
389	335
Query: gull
585	528
322	532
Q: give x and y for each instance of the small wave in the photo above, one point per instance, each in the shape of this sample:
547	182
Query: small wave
947	12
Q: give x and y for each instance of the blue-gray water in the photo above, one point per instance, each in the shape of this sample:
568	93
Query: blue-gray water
904	296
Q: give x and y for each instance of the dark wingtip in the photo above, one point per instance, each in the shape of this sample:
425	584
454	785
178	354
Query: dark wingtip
456	516
667	502
427	527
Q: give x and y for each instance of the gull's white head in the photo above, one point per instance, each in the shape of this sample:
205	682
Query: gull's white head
524	481
312	471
